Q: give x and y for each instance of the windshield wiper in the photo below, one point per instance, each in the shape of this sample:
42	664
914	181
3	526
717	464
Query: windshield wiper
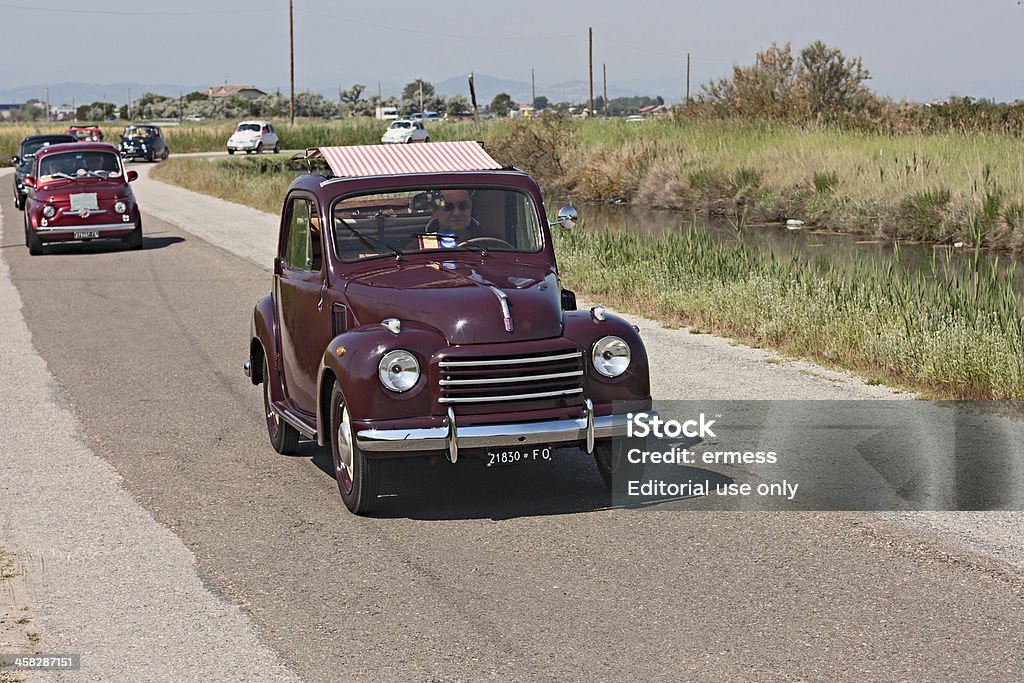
370	241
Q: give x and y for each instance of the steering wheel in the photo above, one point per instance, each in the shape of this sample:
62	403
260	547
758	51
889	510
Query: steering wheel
484	241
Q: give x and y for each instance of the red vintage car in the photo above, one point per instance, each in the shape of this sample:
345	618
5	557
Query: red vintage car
416	310
79	191
86	133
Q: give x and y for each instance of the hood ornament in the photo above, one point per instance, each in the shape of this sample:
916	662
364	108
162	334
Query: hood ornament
503	299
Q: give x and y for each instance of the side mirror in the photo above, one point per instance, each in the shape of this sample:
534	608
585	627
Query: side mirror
278	265
132	175
15	160
28	181
566	217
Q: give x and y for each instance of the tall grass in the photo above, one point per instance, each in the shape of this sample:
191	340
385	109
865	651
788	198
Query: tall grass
259	182
950	336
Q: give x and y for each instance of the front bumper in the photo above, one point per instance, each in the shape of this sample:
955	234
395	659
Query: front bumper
244	146
55	233
134	153
451	438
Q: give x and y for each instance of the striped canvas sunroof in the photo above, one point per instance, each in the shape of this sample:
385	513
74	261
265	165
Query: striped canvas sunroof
424	157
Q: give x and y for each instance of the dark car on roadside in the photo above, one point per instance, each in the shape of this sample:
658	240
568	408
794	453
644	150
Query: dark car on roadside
79	192
416	310
144	142
27	149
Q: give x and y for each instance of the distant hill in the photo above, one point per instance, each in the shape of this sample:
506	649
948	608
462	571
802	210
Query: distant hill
84	93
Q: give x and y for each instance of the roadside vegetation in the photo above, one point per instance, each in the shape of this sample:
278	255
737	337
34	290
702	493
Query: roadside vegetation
945	335
949	333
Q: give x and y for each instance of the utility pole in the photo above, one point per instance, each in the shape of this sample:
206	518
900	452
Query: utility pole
472	97
291	58
421	94
129	104
533	89
74	110
687	78
47	104
380	94
604	72
590	34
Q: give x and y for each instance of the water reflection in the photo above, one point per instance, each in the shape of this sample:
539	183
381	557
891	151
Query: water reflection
817	246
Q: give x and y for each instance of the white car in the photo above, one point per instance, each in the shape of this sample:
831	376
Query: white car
404	130
254	137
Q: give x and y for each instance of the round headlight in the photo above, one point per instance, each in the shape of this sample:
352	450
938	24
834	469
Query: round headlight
120	207
398	370
611	356
49	211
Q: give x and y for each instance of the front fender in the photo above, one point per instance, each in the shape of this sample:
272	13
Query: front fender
353	358
635	383
263	342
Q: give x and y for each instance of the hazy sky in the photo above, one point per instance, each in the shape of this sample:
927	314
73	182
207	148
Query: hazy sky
914	49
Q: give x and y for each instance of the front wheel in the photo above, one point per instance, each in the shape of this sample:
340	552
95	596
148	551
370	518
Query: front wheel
283	437
277	147
614	465
134	240
230	151
358	476
167	153
259	148
32	241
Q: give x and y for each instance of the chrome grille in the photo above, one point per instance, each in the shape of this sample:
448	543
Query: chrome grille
525	377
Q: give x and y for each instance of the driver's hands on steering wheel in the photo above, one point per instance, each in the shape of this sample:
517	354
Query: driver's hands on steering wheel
484	241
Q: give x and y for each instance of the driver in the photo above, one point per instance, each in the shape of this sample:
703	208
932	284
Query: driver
453	213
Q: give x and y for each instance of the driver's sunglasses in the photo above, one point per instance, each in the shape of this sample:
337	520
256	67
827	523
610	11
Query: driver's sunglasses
464	205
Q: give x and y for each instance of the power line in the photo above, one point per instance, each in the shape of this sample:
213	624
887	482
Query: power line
140	14
669	54
385	27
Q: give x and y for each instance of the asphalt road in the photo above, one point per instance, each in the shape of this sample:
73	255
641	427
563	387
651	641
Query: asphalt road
467	573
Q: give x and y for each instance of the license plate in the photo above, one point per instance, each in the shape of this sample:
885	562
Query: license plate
84	200
85	234
516	456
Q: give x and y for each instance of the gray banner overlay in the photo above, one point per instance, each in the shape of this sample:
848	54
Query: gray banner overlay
823	455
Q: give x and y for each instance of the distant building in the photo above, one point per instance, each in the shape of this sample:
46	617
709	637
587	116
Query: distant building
64	112
7	109
246	92
523	110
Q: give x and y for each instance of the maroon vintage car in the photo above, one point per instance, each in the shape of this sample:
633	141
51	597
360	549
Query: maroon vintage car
417	310
79	191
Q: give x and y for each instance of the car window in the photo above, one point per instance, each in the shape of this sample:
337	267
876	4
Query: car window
249	126
435	218
302	243
80	164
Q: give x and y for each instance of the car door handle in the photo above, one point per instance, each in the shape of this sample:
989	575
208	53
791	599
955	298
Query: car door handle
320	303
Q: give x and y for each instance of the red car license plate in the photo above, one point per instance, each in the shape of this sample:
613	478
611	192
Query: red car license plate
85	234
516	456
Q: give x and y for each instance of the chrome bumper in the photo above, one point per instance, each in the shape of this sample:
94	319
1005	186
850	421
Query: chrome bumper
106	227
582	431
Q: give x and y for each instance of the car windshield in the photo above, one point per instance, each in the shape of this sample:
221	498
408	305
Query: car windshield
89	164
251	126
445	219
401	124
138	132
32	146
